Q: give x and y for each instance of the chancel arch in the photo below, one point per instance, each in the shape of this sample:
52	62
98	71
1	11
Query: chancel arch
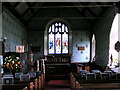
113	54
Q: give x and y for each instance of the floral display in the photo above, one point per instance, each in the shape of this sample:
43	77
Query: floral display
12	63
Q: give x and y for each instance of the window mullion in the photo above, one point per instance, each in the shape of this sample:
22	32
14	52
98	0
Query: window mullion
60	38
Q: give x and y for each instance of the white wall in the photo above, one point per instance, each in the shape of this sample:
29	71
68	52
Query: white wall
81	38
14	31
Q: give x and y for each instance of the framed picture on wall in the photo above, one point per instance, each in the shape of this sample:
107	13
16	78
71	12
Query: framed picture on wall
19	49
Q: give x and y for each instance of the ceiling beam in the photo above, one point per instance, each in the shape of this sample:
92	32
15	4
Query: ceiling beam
16	4
33	16
29	5
33	4
7	4
13	11
28	10
40	4
94	6
103	9
117	4
87	8
62	17
25	12
81	13
81	6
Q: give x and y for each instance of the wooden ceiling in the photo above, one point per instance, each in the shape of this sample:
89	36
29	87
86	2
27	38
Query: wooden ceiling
27	12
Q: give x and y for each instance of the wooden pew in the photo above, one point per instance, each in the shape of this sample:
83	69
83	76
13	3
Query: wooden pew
13	87
73	80
42	81
26	88
36	84
107	86
39	82
77	85
95	83
22	82
31	87
18	85
32	84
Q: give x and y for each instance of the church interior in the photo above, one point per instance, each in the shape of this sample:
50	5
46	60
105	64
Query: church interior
59	45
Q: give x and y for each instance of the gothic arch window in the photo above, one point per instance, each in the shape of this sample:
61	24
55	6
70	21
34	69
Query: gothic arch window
93	47
113	54
58	38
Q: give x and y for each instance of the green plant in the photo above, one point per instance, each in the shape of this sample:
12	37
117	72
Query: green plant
12	63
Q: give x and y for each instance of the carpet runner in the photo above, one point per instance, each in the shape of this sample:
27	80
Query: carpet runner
58	85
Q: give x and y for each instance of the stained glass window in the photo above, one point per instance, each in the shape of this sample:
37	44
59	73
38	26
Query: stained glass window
65	41
58	38
51	41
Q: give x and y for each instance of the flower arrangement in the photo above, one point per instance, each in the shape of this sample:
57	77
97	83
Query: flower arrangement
12	63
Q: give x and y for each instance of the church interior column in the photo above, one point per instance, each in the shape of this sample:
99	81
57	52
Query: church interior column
0	42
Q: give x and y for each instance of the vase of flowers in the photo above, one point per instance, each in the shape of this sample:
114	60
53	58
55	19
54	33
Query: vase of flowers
12	64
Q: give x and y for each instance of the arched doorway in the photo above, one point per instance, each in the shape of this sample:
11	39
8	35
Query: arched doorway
113	54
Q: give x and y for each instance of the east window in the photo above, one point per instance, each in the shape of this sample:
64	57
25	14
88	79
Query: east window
58	38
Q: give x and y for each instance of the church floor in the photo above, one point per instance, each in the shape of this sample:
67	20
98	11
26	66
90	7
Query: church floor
57	88
57	83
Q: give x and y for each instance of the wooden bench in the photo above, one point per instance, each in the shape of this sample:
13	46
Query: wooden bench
26	88
31	87
32	84
100	86
72	81
77	83
13	87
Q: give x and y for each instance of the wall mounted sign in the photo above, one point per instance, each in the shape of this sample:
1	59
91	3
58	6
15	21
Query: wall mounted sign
117	46
81	48
20	49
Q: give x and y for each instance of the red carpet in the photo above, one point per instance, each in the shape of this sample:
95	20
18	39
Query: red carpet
58	84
